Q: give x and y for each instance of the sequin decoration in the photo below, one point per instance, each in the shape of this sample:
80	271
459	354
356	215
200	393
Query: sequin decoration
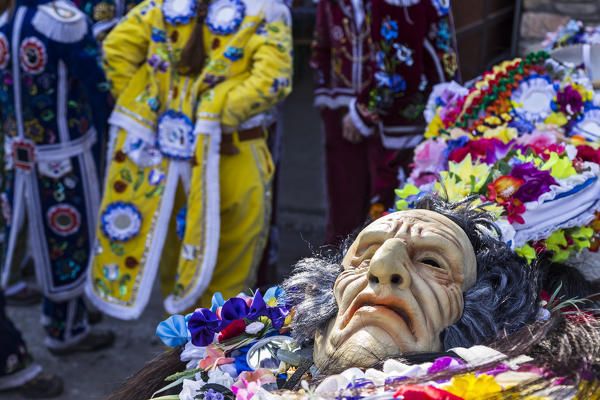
175	135
33	55
4	51
120	221
225	16
111	272
63	219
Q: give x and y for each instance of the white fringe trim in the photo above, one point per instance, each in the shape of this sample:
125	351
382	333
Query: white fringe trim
58	28
19	378
132	126
358	122
322	100
172	304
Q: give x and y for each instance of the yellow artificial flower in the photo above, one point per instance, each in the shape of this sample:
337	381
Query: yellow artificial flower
493	120
474	174
561	167
557	118
527	252
434	127
503	133
451	187
471	387
406	191
582	236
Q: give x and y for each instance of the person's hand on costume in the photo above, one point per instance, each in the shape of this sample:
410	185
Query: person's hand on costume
349	131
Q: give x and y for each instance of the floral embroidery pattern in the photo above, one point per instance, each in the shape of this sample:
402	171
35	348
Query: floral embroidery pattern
63	219
33	55
225	16
176	135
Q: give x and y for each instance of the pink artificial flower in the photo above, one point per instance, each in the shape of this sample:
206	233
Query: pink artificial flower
262	376
429	158
537	140
246	392
214	357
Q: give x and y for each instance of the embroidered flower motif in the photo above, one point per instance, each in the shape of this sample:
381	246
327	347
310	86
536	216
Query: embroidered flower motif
389	29
33	55
279	83
156	62
225	16
4	51
404	54
178	12
234	53
158	35
131	262
63	219
176	135
155	177
111	272
442	6
120	221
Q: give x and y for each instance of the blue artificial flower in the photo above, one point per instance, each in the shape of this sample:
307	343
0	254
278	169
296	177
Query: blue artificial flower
180	222
234	53
522	126
258	308
217	301
398	84
276	292
455	144
240	359
383	79
380	59
233	309
389	30
173	331
203	326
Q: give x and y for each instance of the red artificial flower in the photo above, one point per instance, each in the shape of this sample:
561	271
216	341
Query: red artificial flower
504	188
415	392
514	210
234	329
553	148
587	153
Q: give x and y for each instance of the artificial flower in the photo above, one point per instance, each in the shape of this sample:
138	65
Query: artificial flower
569	100
473	174
263	376
190	389
504	188
405	193
254	327
557	118
416	392
527	252
561	167
471	387
538	140
234	309
429	158
445	364
193	355
274	296
203	326
503	133
535	182
258	307
217	301
434	127
514	210
247	391
173	331
277	316
234	329
214	357
220	377
587	153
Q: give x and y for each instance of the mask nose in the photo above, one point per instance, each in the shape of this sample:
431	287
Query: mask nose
389	265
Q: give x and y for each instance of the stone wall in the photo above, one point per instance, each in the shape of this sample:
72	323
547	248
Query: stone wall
541	16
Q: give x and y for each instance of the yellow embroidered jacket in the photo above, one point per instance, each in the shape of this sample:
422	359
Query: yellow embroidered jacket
166	129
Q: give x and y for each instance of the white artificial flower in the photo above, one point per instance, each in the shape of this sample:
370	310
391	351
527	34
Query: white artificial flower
193	354
254	328
190	389
216	375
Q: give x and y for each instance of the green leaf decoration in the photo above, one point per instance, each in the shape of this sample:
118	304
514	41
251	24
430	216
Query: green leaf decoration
126	175
157	191
101	286
139	180
183	374
125	279
117	249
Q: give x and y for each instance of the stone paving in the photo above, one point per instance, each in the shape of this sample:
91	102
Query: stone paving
91	376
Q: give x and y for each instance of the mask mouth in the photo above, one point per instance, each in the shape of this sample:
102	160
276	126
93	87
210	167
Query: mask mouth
373	308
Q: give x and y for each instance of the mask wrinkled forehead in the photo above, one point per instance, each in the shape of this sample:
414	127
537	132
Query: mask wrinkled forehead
391	223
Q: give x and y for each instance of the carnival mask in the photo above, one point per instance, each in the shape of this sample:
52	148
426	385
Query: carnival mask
402	285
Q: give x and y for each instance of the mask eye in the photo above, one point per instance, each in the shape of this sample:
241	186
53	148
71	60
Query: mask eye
431	262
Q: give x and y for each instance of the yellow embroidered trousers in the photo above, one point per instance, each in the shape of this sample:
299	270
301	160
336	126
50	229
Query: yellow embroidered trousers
245	185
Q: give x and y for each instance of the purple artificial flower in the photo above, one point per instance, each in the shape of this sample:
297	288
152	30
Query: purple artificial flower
497	370
258	308
234	308
569	100
203	326
535	182
445	363
277	316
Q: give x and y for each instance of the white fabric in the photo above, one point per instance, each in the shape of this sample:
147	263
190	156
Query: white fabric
357	120
60	21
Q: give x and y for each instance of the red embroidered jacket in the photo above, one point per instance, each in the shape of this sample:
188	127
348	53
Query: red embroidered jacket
412	50
340	54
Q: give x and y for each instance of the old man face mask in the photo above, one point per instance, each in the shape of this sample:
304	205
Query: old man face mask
402	284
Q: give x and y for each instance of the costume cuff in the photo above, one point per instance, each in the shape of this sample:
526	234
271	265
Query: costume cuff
358	121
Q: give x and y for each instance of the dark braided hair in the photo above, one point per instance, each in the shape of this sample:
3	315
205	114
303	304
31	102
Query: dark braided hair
193	55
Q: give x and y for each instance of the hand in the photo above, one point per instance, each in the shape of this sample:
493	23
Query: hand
349	131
